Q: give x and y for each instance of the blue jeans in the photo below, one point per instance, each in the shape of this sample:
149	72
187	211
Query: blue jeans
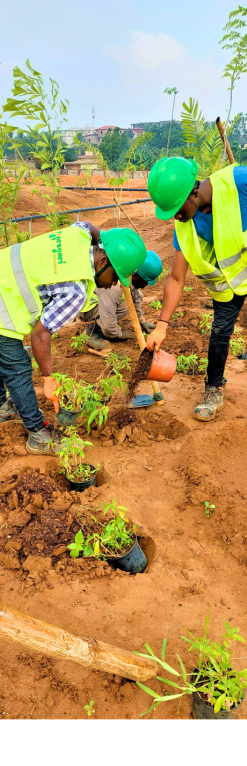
16	374
225	316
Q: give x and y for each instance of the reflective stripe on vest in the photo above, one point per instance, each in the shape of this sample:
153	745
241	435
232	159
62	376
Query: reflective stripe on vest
26	293
225	262
5	317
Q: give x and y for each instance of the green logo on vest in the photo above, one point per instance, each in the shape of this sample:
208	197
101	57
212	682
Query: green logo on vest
58	249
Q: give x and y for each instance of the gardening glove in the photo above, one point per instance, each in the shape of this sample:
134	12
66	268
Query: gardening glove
49	391
157	336
147	326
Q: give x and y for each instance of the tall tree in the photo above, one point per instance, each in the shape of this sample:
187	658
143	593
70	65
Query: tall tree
171	92
113	144
235	40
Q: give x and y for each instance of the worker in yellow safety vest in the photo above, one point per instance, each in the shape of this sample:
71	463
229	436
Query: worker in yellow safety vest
44	283
210	236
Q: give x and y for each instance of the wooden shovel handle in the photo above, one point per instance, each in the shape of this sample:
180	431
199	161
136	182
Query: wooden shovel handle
225	141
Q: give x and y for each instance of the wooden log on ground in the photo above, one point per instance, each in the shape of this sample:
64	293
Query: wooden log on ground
58	643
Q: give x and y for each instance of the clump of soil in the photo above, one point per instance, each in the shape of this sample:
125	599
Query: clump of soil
141	371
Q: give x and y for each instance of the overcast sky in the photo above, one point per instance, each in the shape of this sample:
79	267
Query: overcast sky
119	57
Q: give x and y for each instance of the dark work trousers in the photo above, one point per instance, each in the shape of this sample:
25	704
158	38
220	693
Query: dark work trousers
16	374
225	316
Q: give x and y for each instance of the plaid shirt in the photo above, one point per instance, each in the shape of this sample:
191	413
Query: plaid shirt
63	300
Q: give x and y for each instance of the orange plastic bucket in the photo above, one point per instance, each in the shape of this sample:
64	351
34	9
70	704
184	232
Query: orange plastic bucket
163	367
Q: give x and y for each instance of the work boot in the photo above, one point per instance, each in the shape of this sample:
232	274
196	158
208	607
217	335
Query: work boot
212	402
9	412
40	442
97	343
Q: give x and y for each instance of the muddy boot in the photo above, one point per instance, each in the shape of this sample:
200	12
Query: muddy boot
44	442
9	412
212	402
97	343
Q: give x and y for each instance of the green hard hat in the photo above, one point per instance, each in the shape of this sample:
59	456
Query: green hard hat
151	268
126	251
169	184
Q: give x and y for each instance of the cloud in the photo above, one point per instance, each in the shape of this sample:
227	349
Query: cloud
147	52
148	63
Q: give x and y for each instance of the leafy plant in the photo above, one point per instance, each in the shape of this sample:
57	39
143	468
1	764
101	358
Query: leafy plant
214	679
177	314
31	101
156	305
187	364
203	141
237	344
68	391
208	509
71	455
79	341
89	708
202	365
187	289
113	539
9	188
205	323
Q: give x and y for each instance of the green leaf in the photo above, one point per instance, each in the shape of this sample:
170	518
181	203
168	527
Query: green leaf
74	554
182	668
149	691
163	649
72	547
79	539
219	703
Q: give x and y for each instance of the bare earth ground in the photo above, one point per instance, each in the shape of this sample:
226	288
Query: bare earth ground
163	471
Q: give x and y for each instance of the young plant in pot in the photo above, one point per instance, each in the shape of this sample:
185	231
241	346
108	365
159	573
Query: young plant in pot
217	689
70	395
116	542
95	397
71	456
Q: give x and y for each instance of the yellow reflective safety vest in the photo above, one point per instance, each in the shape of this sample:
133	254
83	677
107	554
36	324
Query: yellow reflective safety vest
223	266
58	256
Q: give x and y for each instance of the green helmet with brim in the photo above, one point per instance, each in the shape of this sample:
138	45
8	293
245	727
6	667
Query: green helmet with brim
126	251
169	184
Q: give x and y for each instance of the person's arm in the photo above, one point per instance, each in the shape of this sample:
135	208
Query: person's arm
41	346
172	293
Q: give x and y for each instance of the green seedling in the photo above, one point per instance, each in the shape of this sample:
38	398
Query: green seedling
89	708
177	314
208	509
187	289
79	341
202	365
187	364
162	275
113	539
35	365
205	323
237	344
214	677
71	455
69	391
156	305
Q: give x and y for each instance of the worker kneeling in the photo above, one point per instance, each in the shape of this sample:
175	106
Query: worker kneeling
210	236
109	306
44	284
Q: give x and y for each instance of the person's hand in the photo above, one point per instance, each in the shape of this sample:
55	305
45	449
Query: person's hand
50	392
148	326
157	336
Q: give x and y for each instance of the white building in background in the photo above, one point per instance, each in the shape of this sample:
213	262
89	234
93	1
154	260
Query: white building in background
91	135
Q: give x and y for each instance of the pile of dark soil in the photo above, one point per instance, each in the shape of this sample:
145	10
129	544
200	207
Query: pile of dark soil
141	371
